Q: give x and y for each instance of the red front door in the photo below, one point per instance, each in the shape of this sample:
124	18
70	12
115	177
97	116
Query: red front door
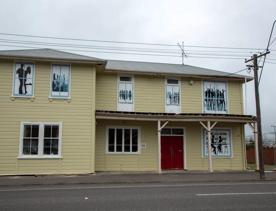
172	152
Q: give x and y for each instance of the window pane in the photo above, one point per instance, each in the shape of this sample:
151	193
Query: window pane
127	136
119	148
111	148
54	150
128	92
215	98
119	136
172	81
127	140
122	92
27	130
111	140
26	146
64	79
23	79
47	146
119	140
169	95
125	92
177	131
60	80
35	129
47	131
34	146
127	148
166	131
55	78
125	78
55	131
220	143
134	140
111	136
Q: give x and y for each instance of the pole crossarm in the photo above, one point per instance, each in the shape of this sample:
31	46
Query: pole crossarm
257	56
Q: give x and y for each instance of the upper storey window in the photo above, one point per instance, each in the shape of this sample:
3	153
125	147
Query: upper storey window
60	81
215	97
23	80
125	93
172	96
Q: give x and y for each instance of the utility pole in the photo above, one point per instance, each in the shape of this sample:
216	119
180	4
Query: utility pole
258	111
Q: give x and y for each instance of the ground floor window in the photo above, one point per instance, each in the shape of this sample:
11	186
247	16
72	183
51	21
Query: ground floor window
40	139
123	140
220	143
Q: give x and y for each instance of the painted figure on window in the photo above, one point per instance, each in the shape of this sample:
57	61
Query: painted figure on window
220	143
172	95
125	94
23	81
60	80
215	97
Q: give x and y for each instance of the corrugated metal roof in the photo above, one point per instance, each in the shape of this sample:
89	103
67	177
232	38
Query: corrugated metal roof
166	69
50	54
191	117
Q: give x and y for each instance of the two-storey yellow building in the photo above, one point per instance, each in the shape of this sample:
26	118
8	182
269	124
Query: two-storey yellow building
64	113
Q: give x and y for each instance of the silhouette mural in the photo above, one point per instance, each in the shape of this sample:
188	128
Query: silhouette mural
172	95
60	80
125	92
215	97
220	143
23	82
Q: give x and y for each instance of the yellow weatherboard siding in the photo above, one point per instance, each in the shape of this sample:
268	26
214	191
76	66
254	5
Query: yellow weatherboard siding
106	91
77	116
149	94
235	97
191	96
147	159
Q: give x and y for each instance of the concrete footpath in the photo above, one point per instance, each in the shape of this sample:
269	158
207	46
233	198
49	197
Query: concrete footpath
135	178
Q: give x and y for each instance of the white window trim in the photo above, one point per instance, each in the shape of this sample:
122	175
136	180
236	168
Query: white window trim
217	157
13	80
180	94
70	82
227	98
133	93
40	141
124	153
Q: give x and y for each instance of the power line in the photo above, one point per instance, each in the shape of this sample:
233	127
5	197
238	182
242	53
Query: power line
241	70
268	44
127	42
190	52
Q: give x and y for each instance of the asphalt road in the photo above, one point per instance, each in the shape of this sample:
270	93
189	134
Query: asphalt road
202	196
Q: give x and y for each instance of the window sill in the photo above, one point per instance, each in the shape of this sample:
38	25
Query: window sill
123	153
39	157
60	98
222	157
22	97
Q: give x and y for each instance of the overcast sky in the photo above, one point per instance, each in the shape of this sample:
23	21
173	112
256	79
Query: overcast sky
235	23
